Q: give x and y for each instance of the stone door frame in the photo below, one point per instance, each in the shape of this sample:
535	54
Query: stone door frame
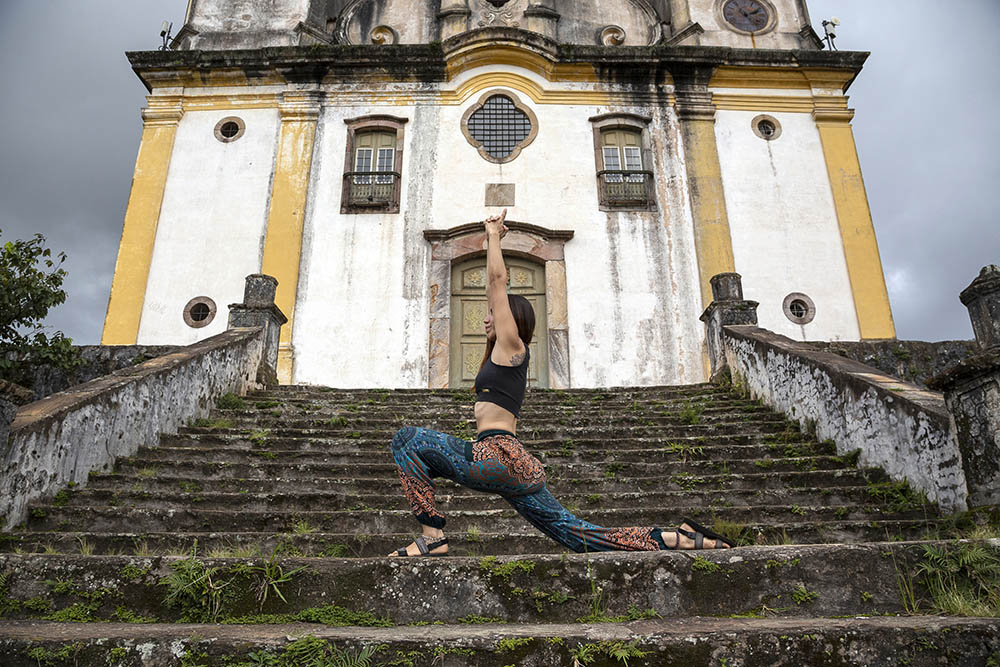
530	242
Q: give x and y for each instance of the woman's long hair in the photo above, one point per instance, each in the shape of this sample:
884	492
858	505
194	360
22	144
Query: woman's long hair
524	317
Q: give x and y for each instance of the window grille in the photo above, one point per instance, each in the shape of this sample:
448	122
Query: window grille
499	126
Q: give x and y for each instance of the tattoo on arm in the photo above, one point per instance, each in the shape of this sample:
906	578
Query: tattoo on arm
517	359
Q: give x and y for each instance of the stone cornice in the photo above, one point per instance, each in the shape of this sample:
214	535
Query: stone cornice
477	227
429	62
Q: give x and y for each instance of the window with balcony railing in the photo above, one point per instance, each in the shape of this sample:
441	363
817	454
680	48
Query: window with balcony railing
374	148
622	155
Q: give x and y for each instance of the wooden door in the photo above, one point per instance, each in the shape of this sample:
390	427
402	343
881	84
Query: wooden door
469	308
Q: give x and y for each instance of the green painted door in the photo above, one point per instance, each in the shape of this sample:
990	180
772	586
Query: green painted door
469	308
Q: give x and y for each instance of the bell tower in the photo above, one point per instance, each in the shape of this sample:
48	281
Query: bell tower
761	24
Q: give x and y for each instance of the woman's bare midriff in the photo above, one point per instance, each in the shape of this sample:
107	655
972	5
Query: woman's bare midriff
490	416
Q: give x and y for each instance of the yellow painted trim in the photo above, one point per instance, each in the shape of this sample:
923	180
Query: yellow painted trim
712	238
864	265
135	253
286	214
781	78
489	53
522	84
772	103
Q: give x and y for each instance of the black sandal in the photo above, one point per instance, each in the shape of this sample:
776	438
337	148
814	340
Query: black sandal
425	549
701	533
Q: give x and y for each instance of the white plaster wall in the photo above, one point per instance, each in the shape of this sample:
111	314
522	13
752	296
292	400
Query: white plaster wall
631	277
784	227
362	310
362	314
212	223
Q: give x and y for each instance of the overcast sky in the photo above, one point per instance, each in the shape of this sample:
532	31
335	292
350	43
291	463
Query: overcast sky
926	101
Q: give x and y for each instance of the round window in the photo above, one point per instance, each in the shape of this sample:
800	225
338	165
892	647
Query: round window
229	129
766	127
199	312
799	308
499	126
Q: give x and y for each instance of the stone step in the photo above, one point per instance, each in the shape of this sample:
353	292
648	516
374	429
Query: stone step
920	641
267	465
189	495
687	447
562	397
374	521
737	457
794	581
389	414
474	541
760	432
171	479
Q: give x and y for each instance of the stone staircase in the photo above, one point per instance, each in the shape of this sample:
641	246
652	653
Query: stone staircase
256	537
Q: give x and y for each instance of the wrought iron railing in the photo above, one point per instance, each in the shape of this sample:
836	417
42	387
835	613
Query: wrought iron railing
371	188
624	188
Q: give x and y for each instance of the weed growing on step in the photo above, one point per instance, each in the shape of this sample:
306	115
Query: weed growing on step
684	451
268	578
125	615
259	437
511	644
691	414
331	615
86	548
465	430
618	651
266	405
685	481
480	620
741	534
131	572
961	579
303	527
850	459
147	473
230	401
339	420
703	565
46	658
196	589
504	571
801	596
899	496
312	652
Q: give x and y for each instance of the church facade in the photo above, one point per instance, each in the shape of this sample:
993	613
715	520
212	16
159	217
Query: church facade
349	149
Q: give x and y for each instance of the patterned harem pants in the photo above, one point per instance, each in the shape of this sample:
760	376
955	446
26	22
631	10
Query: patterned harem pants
498	463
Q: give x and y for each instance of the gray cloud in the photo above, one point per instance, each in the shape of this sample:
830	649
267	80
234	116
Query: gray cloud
924	128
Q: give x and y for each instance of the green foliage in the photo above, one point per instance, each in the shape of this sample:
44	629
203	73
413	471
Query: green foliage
703	565
800	595
311	651
230	401
269	576
619	651
195	589
684	450
511	644
962	580
491	566
46	658
30	284
691	414
126	615
473	619
898	495
130	572
331	615
465	430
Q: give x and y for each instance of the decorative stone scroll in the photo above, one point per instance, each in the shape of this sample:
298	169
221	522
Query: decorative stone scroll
612	35
383	34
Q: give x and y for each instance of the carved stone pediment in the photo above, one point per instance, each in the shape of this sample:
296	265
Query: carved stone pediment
498	3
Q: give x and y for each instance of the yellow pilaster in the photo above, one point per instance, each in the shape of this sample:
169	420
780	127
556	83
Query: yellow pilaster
864	265
712	239
290	187
128	287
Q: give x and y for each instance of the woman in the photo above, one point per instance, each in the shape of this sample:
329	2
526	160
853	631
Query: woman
497	462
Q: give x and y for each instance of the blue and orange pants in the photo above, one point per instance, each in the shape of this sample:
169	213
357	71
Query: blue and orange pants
497	462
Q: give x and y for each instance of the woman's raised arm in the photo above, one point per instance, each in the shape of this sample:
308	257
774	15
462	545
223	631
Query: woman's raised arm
508	345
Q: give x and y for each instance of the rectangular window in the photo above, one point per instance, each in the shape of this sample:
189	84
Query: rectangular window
612	162
363	163
386	162
633	162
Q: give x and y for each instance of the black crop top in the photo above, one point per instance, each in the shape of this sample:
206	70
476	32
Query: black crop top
503	385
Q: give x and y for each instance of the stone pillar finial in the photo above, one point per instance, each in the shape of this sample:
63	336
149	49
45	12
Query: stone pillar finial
727	287
728	308
258	310
982	298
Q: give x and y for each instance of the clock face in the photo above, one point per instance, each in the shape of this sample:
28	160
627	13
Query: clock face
746	15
